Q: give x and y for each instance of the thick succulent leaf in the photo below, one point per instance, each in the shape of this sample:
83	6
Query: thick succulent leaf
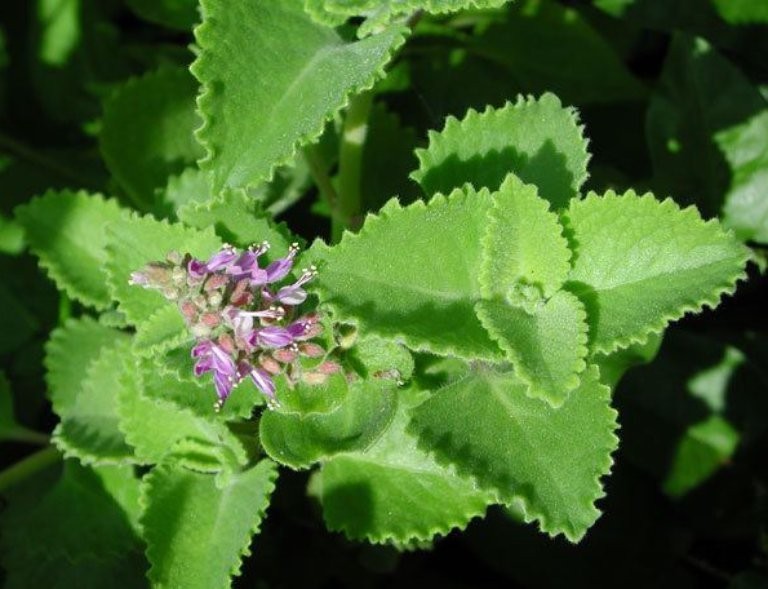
148	132
745	147
80	533
410	275
548	461
640	263
613	366
394	491
373	356
271	77
89	427
137	241
161	430
525	256
193	185
298	436
66	231
199	526
540	141
237	219
546	342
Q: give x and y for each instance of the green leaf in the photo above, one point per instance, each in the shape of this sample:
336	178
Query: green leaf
175	14
301	432
613	366
198	527
147	132
381	12
158	421
395	491
538	140
548	461
89	427
739	12
137	241
66	231
704	448
71	349
164	330
525	256
700	94
410	275
237	219
545	341
541	45
541	329
191	186
745	148
640	263
79	534
388	157
271	77
11	236
378	357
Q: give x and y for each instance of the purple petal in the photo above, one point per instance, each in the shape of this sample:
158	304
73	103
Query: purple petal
258	277
222	259
273	337
196	268
202	366
263	382
279	269
202	348
291	295
299	328
223	384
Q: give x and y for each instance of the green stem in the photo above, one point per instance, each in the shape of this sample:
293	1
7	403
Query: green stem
25	436
349	203
29	466
319	172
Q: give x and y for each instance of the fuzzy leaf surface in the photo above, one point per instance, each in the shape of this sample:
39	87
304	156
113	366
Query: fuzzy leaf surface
546	342
139	240
271	76
66	231
69	352
540	141
548	460
164	330
238	220
640	263
159	429
89	427
298	436
394	490
199	526
410	275
147	132
525	256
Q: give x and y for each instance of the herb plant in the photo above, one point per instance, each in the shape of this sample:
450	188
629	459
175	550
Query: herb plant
362	252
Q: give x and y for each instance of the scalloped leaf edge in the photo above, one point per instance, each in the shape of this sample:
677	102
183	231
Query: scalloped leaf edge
710	302
207	94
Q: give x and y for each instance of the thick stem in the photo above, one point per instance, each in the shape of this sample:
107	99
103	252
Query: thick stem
25	436
349	204
29	466
319	172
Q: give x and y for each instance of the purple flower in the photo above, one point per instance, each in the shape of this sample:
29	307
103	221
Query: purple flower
213	358
279	269
270	337
222	259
